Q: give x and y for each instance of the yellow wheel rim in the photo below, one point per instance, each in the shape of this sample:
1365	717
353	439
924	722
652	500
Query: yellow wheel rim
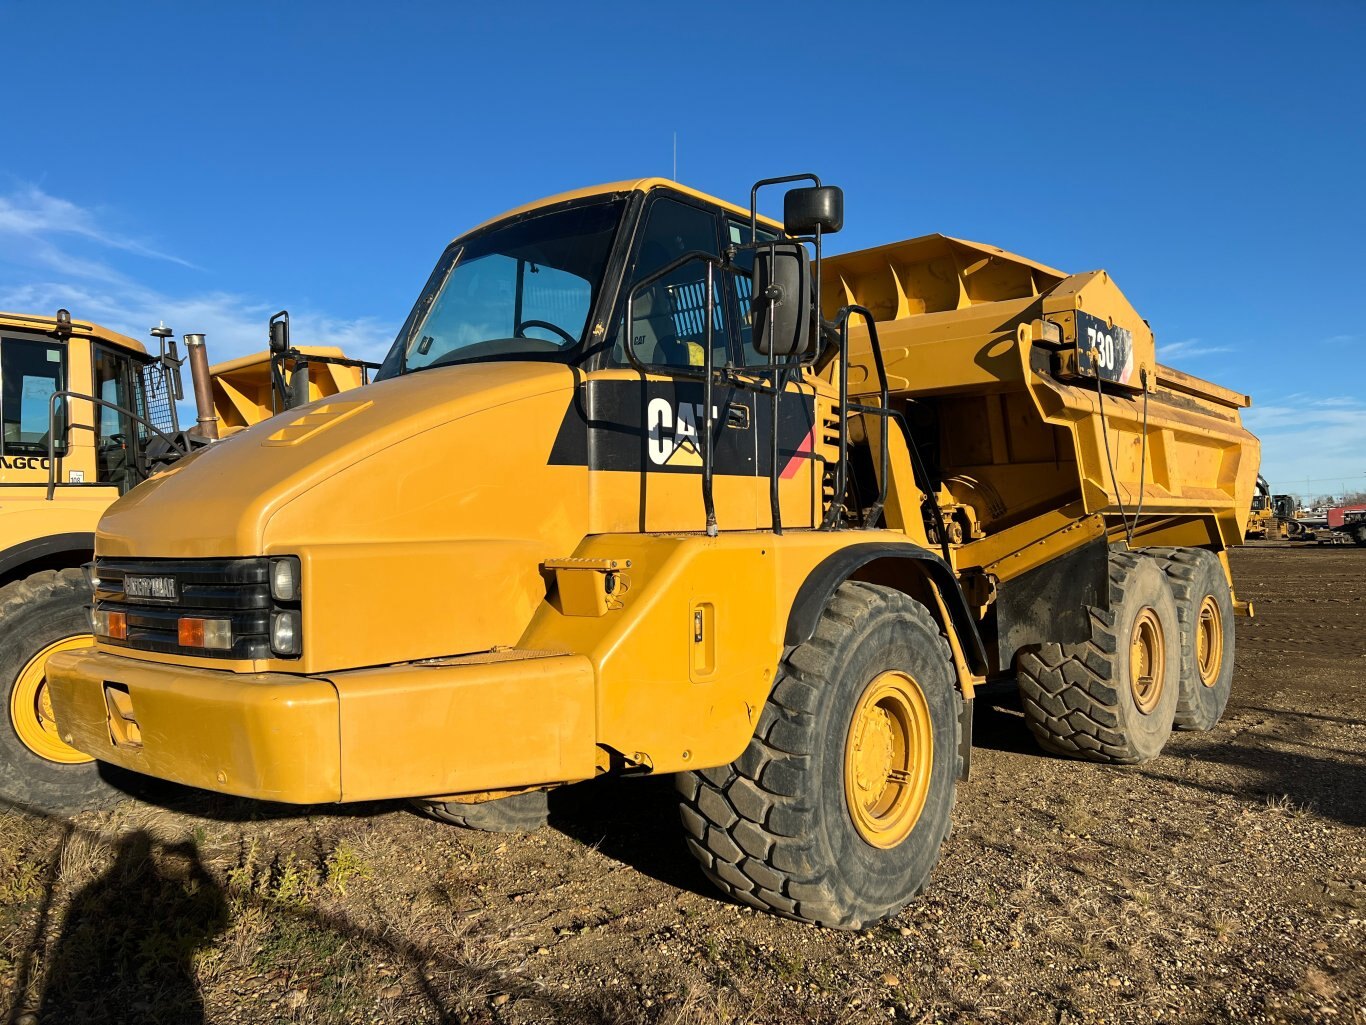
887	759
1209	641
1147	661
30	707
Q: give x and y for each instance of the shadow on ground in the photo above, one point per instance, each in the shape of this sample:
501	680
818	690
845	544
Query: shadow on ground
1283	758
126	946
635	822
124	951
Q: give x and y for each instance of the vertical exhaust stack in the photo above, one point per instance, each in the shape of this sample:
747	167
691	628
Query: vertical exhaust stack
206	419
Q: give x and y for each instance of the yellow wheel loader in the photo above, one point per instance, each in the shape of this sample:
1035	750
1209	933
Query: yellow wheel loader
647	485
87	415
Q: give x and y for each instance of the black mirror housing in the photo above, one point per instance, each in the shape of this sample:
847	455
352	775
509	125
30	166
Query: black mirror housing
781	299
805	210
279	334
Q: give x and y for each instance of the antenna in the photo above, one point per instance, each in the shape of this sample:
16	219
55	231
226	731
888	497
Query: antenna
675	174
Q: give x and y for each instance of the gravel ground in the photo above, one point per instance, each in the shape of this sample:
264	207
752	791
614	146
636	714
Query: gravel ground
1222	882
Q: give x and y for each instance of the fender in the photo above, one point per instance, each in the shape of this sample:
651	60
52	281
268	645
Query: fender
42	548
820	584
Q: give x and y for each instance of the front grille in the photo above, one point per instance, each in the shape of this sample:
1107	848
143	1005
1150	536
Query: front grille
234	589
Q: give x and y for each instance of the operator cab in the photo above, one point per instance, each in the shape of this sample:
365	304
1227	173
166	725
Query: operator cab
646	289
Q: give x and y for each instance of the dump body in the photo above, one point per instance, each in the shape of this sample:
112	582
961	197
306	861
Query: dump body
988	356
244	393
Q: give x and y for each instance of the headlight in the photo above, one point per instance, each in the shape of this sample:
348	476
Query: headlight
284	579
284	632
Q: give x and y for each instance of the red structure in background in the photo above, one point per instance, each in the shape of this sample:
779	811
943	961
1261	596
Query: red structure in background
1338	515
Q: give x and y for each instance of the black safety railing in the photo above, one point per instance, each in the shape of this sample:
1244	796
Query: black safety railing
122	411
750	377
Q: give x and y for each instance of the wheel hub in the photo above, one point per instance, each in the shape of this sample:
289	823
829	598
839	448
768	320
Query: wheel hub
30	706
1147	661
888	757
1209	641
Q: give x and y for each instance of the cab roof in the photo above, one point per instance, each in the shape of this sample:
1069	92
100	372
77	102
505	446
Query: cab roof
79	329
612	188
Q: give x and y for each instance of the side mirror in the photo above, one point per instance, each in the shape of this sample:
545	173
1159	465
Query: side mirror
781	299
805	210
279	333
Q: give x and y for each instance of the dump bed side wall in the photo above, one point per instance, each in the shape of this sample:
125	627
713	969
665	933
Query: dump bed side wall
1010	428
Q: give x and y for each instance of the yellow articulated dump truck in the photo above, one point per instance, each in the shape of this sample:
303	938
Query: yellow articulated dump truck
645	485
88	414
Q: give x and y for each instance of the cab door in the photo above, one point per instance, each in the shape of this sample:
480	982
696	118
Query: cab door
117	435
644	429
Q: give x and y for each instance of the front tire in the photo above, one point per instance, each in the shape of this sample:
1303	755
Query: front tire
517	813
836	811
39	615
1111	698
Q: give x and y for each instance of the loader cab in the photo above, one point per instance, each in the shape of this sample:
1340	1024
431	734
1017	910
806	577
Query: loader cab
80	406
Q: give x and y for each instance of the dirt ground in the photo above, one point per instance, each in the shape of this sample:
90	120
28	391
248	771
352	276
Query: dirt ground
1225	881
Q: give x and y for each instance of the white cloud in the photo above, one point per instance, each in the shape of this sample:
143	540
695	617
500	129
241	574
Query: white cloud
1188	349
33	229
1312	447
32	213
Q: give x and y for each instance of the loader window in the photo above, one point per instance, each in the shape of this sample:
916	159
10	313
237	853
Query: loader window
31	371
116	435
525	290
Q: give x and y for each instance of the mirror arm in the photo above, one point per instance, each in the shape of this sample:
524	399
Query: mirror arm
754	196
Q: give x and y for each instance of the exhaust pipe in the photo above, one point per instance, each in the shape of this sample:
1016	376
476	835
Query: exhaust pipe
206	420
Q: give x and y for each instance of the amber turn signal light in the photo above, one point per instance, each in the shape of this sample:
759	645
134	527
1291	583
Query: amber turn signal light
193	632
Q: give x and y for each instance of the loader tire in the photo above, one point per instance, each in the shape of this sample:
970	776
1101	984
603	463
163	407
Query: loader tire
1113	697
517	813
1360	536
836	811
40	615
1204	609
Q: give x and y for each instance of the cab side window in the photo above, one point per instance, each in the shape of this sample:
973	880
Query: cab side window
668	325
31	372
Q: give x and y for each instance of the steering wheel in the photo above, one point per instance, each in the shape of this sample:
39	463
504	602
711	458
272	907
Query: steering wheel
546	325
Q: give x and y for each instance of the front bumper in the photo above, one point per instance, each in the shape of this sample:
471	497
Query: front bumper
448	726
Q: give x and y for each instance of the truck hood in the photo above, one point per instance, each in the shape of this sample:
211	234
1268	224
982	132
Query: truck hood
219	502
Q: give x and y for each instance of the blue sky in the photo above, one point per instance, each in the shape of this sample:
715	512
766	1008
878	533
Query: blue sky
210	164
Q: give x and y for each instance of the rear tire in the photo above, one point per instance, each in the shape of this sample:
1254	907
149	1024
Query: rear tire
39	615
1113	697
836	811
517	813
1204	608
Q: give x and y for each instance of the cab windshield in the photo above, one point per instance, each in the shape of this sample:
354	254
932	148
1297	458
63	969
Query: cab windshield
526	289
